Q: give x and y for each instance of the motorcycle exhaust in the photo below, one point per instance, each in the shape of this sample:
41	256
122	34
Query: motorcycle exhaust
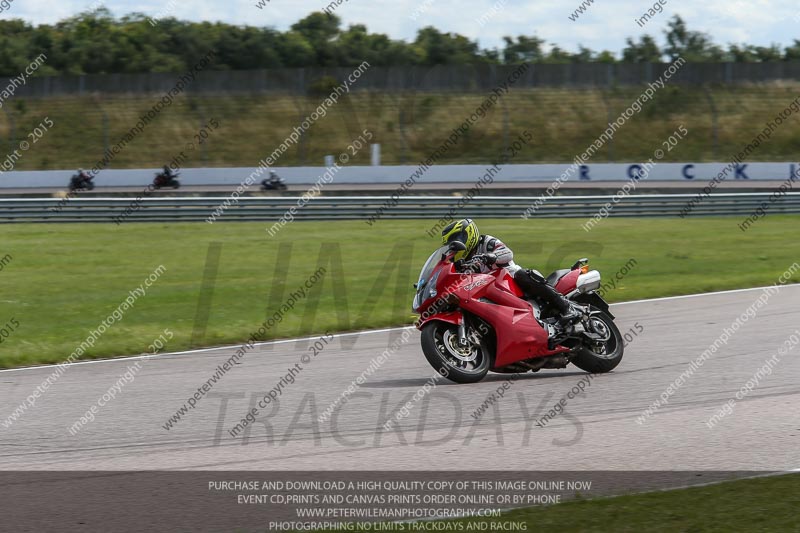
556	361
538	364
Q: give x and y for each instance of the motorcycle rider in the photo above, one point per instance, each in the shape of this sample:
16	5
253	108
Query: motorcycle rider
493	254
165	177
273	179
81	180
82	176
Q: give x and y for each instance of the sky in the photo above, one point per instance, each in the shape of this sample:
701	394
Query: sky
604	25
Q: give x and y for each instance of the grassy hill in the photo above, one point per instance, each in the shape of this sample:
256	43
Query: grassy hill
409	126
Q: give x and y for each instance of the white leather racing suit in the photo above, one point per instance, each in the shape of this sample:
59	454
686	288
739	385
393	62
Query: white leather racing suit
505	257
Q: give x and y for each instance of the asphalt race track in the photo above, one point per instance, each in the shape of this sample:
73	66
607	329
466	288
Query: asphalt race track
598	429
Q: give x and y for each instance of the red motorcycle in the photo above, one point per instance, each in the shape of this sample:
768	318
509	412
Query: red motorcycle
474	323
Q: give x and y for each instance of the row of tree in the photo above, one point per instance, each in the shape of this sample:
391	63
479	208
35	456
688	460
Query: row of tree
96	42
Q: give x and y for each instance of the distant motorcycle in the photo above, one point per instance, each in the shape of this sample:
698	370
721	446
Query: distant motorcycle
81	182
273	183
163	181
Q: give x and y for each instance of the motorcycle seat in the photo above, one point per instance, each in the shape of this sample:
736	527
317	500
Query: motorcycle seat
553	278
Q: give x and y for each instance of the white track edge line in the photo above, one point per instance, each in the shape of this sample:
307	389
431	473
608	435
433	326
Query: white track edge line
730	291
201	350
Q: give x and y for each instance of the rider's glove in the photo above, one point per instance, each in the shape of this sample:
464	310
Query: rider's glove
489	259
467	266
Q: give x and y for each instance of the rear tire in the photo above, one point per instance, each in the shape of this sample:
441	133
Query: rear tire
591	358
437	345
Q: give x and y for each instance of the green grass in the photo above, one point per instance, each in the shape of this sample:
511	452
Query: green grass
408	126
765	504
65	279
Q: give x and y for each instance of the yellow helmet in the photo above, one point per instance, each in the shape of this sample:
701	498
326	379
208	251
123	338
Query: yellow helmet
464	231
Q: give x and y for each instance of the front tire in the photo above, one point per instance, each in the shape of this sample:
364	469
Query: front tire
601	357
458	364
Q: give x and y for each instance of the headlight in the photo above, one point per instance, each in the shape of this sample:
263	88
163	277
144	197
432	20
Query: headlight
432	285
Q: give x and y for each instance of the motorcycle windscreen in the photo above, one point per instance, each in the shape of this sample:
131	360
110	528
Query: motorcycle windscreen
425	275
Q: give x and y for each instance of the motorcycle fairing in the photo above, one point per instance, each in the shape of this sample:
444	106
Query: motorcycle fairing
519	335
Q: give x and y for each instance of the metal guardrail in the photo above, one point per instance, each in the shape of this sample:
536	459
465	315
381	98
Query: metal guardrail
268	209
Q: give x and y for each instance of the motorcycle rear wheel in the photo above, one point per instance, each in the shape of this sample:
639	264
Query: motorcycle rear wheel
456	363
599	358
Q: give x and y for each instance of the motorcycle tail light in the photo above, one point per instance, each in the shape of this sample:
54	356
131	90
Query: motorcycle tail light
584	269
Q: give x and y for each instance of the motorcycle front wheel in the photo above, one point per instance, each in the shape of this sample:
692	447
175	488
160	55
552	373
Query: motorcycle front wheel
461	364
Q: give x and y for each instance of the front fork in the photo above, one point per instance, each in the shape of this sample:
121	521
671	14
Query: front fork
458	318
462	332
476	332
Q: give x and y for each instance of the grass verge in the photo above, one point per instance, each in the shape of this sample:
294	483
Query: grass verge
764	504
62	281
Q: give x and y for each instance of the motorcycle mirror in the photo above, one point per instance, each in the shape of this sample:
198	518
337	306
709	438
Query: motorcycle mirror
457	246
580	262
